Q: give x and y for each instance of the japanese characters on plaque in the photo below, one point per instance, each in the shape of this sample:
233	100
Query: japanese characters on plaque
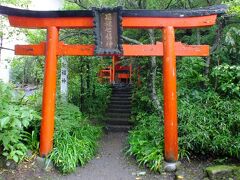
108	31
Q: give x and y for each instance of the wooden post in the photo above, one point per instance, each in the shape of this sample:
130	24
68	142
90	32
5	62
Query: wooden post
110	74
114	60
170	95
49	93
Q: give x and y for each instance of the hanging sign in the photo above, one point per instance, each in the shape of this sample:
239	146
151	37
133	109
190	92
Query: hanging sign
108	31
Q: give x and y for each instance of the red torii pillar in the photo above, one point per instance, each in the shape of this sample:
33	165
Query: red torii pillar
170	95
169	49
49	92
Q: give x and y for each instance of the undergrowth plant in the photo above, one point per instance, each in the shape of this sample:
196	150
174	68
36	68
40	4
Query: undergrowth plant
209	124
227	80
146	141
75	138
208	120
15	118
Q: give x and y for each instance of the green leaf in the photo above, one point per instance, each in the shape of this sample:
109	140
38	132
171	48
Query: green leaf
25	122
15	158
4	121
17	123
19	152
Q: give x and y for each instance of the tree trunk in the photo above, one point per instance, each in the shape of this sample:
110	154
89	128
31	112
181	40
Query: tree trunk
214	46
81	87
153	71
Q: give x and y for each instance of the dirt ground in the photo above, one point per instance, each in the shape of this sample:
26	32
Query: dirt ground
109	164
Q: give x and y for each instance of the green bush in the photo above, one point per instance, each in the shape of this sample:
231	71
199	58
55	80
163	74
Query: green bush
190	72
15	119
146	141
27	70
75	139
208	125
227	79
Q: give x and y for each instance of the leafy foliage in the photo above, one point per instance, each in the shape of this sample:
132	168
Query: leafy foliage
234	7
208	120
75	139
146	141
227	80
191	72
27	70
208	124
15	118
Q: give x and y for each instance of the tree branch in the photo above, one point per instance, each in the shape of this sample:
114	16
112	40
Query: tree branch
215	45
78	2
7	48
170	2
134	41
69	35
153	71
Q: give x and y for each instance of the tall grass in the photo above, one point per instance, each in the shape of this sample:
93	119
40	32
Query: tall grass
75	138
208	122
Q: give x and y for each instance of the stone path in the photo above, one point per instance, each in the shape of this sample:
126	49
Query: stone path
111	163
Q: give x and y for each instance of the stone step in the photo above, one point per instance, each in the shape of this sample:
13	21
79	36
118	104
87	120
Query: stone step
122	90
122	95
114	102
118	128
119	106
119	121
118	115
118	110
121	98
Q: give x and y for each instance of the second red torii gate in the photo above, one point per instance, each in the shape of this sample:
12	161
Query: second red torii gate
168	21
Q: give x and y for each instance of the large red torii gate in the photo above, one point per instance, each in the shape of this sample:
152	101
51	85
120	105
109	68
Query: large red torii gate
168	21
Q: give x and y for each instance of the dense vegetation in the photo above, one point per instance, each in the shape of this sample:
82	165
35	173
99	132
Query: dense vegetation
208	94
75	138
16	117
208	117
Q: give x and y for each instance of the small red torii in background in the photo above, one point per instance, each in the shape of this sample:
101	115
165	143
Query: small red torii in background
167	21
123	73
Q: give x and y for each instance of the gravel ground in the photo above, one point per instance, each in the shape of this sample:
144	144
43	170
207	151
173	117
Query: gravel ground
110	163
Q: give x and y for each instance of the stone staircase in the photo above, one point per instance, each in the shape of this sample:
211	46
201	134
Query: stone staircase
119	109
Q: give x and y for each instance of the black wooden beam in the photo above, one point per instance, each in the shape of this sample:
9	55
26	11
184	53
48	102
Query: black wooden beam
217	9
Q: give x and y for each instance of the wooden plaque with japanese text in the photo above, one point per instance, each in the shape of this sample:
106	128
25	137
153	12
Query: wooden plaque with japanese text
108	31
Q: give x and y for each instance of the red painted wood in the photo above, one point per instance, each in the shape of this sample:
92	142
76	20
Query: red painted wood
170	96
128	50
49	92
127	22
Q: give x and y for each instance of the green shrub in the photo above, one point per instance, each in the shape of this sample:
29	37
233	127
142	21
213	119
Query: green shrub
75	139
208	125
15	118
190	72
146	141
227	79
